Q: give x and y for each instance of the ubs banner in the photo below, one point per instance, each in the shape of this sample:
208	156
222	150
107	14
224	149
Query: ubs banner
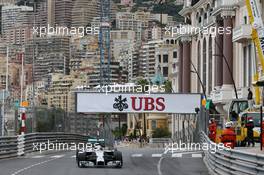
136	103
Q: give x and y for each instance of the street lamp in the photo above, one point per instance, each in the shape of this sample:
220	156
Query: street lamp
199	78
228	67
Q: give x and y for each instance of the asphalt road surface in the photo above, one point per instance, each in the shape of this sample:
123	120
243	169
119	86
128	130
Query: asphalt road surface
145	161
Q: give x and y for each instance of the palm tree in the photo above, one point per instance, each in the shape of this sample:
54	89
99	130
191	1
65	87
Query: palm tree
168	86
143	83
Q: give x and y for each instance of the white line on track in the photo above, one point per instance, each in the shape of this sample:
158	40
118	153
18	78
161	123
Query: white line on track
159	166
33	165
57	156
37	157
156	155
177	155
136	155
197	155
74	156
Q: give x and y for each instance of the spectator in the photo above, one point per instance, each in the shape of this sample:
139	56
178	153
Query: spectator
250	132
250	99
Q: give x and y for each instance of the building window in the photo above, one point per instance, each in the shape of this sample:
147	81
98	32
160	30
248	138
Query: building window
249	66
200	19
153	124
245	66
123	35
199	66
245	19
165	71
175	54
210	73
204	63
205	15
159	58
165	58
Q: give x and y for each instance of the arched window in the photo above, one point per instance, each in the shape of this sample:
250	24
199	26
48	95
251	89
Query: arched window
172	41
199	66
210	71
204	63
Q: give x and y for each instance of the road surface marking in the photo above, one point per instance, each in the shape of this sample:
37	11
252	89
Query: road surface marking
197	155
37	157
177	155
73	156
136	155
156	155
31	166
159	166
57	156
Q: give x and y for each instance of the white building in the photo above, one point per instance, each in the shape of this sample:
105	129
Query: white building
219	57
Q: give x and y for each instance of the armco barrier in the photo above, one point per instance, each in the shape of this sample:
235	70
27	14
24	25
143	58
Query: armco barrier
19	145
232	162
8	147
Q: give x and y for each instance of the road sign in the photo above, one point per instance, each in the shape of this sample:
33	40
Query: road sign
24	104
22	109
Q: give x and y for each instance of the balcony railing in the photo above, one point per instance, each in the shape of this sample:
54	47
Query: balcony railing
241	93
220	96
219	3
242	33
209	21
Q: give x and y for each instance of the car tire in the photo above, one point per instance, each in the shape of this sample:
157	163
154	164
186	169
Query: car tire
118	157
79	164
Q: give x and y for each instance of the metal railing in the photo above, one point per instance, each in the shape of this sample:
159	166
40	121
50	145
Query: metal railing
19	145
232	162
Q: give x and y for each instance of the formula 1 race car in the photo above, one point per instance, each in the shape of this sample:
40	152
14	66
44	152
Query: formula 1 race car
99	156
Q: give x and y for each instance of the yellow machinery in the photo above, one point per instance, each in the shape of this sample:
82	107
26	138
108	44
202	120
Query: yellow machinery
258	39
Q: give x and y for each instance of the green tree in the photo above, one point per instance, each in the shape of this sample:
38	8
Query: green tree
143	83
161	133
168	86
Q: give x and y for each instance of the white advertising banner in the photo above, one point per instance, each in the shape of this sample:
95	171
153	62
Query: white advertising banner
87	102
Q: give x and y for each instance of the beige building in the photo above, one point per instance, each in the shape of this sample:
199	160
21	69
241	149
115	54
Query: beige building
60	95
16	23
123	45
2	71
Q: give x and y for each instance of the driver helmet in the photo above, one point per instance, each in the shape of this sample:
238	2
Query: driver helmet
229	124
250	120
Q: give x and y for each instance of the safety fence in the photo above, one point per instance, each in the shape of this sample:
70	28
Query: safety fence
22	144
232	162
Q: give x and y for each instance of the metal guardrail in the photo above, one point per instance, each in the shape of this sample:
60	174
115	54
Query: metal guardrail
19	145
232	162
159	142
8	147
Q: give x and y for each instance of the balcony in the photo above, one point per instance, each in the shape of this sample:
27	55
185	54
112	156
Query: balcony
241	93
175	60
222	96
209	21
225	6
242	33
